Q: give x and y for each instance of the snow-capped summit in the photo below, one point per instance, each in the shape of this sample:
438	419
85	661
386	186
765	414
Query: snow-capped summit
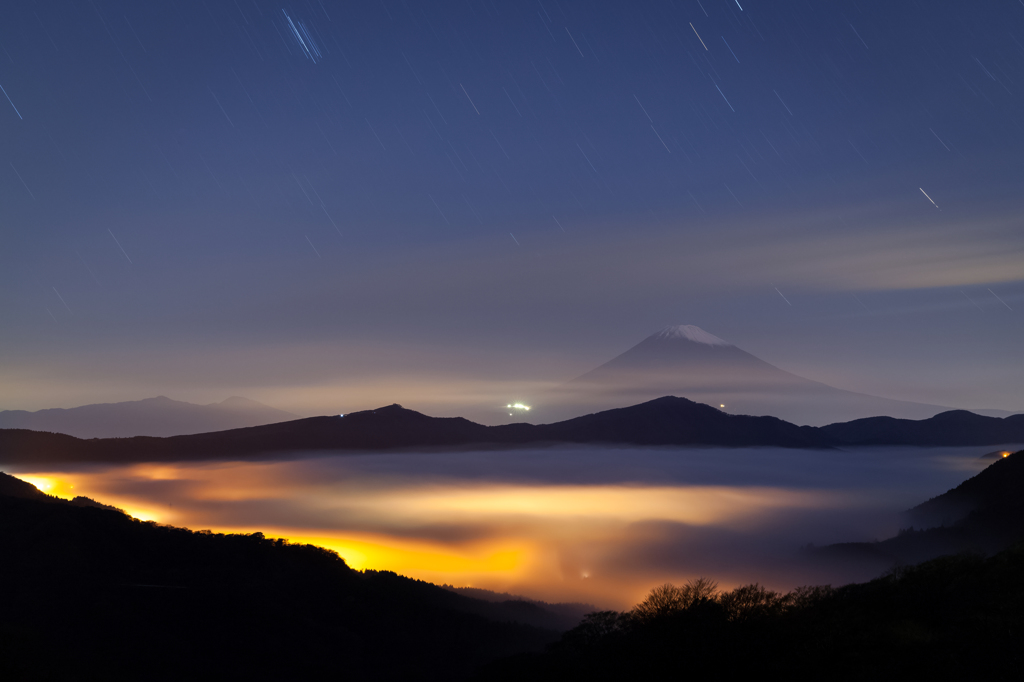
690	332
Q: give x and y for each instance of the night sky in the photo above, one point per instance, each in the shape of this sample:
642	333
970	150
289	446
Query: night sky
330	206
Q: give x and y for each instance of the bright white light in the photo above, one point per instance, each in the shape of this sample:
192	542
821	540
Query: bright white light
721	405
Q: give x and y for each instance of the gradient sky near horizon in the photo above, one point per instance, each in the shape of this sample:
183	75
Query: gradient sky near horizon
329	206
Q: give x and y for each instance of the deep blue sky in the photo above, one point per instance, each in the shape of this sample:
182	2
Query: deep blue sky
322	205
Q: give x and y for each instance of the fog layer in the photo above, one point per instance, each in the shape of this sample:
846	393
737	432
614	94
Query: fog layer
599	525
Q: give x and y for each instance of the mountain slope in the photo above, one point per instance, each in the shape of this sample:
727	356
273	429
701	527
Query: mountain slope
101	596
686	360
982	515
997	487
159	417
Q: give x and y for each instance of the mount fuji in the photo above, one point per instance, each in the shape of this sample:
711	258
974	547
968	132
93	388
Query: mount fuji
686	361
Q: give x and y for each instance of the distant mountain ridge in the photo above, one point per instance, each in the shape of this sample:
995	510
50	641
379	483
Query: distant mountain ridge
687	360
667	421
160	417
955	427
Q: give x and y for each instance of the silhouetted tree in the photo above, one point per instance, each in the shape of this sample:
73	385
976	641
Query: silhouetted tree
666	600
596	628
754	601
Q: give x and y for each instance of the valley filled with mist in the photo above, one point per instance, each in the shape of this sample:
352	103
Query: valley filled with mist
591	524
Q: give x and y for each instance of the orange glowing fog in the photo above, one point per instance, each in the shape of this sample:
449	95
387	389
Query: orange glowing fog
550	540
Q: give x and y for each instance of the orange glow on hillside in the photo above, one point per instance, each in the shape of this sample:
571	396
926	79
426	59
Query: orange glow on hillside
51	485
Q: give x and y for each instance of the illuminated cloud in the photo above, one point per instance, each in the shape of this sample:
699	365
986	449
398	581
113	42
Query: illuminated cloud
601	525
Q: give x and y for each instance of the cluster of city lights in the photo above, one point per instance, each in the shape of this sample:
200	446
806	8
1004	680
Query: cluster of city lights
517	406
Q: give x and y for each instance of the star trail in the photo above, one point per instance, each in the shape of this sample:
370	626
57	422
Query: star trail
320	196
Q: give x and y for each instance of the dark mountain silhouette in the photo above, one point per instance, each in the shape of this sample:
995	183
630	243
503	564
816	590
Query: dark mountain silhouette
676	421
983	515
956	427
11	486
569	614
686	360
159	416
667	421
94	594
998	486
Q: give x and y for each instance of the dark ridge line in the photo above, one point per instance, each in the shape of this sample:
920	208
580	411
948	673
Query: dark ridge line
667	421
